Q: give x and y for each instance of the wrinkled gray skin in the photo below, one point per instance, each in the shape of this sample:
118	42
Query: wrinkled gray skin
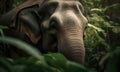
59	25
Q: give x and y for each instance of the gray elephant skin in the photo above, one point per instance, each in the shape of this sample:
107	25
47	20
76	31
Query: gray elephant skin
50	25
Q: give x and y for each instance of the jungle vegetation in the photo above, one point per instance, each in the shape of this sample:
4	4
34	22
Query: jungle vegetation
102	43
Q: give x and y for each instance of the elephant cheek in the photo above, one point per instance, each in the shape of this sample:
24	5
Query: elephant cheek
72	47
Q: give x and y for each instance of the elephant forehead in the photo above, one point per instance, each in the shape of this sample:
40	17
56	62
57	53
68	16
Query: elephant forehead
64	3
70	17
66	11
58	0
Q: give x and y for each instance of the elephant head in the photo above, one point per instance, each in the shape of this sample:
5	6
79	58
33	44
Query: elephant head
56	26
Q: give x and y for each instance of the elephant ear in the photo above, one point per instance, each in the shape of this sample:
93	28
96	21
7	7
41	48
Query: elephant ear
27	22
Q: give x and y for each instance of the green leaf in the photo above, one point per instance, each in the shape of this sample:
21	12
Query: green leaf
5	64
104	60
59	62
97	28
74	67
97	10
3	27
18	68
56	60
24	46
1	32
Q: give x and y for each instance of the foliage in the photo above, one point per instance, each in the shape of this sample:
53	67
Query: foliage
36	63
101	40
102	45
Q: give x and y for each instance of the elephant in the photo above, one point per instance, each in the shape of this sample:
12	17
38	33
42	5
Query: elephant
50	25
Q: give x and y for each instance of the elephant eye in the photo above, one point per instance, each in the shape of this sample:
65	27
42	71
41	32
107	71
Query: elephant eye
53	27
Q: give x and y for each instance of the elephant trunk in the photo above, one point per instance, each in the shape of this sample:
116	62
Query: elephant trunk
72	45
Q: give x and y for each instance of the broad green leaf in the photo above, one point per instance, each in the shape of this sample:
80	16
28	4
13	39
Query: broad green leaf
24	46
74	67
18	68
5	64
56	60
3	27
